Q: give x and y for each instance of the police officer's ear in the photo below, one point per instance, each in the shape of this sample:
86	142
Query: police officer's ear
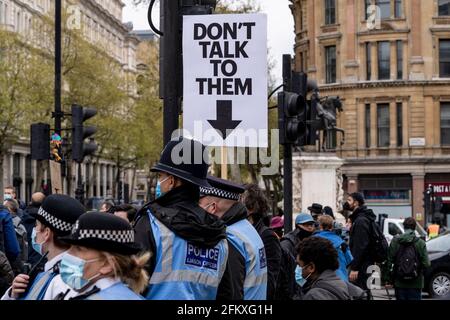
108	267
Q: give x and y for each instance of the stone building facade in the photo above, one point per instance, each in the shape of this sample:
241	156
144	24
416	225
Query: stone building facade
389	61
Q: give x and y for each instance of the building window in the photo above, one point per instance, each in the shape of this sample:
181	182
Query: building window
398	9
385	8
445	123
330	64
330	12
444	7
383	125
444	58
369	60
367	116
399	59
399	124
384	60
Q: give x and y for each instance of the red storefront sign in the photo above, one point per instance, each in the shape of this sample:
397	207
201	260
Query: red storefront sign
441	189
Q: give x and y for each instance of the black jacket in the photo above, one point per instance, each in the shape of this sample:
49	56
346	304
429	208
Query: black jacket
273	254
360	235
178	210
287	287
29	222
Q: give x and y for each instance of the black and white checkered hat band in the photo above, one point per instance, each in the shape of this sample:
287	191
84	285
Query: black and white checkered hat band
55	222
219	193
122	236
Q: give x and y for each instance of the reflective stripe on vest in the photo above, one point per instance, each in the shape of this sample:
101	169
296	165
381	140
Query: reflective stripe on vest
118	291
248	242
183	270
40	285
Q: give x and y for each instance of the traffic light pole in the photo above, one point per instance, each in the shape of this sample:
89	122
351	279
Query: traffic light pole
79	192
287	153
170	74
287	185
58	113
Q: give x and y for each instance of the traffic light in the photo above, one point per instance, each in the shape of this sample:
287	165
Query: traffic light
292	117
40	141
198	7
80	132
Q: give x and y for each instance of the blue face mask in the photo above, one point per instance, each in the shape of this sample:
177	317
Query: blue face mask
36	246
71	270
158	192
299	276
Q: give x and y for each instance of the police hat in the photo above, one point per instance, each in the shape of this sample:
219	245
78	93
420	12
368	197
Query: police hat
103	232
183	158
221	188
59	212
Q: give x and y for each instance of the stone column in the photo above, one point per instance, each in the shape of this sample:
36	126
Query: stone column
393	128
405	114
393	60
22	164
417	62
417	197
311	26
373	129
98	175
374	60
361	114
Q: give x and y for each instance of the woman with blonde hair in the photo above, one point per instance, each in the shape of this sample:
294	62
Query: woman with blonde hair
102	263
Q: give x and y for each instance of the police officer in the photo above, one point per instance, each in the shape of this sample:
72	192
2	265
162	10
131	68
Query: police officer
248	264
55	218
189	245
102	263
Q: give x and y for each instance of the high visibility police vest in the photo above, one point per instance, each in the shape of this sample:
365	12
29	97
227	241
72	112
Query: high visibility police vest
249	244
183	270
433	231
118	291
40	285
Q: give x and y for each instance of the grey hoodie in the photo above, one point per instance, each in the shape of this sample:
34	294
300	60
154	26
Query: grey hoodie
328	286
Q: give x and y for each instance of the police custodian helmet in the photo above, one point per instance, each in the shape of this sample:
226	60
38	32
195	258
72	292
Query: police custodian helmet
184	158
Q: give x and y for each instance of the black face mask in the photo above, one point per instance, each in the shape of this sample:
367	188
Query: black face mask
346	206
302	234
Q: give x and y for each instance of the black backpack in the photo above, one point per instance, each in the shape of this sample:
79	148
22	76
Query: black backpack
406	265
379	244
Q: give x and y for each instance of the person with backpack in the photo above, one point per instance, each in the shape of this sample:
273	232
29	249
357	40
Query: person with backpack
18	265
407	259
367	243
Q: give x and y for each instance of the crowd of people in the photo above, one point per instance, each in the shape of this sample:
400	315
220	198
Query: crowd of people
202	238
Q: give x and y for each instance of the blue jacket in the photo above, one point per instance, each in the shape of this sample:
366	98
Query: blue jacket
8	240
344	256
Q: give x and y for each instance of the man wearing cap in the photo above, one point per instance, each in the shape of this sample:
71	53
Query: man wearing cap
55	218
189	245
249	264
304	228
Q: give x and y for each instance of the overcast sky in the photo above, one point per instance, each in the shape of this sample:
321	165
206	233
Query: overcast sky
280	29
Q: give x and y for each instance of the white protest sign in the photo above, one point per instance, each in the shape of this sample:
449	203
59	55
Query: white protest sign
225	79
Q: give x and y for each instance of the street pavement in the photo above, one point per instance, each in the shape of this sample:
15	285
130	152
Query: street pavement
384	295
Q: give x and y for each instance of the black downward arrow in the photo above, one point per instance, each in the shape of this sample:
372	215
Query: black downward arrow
224	123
